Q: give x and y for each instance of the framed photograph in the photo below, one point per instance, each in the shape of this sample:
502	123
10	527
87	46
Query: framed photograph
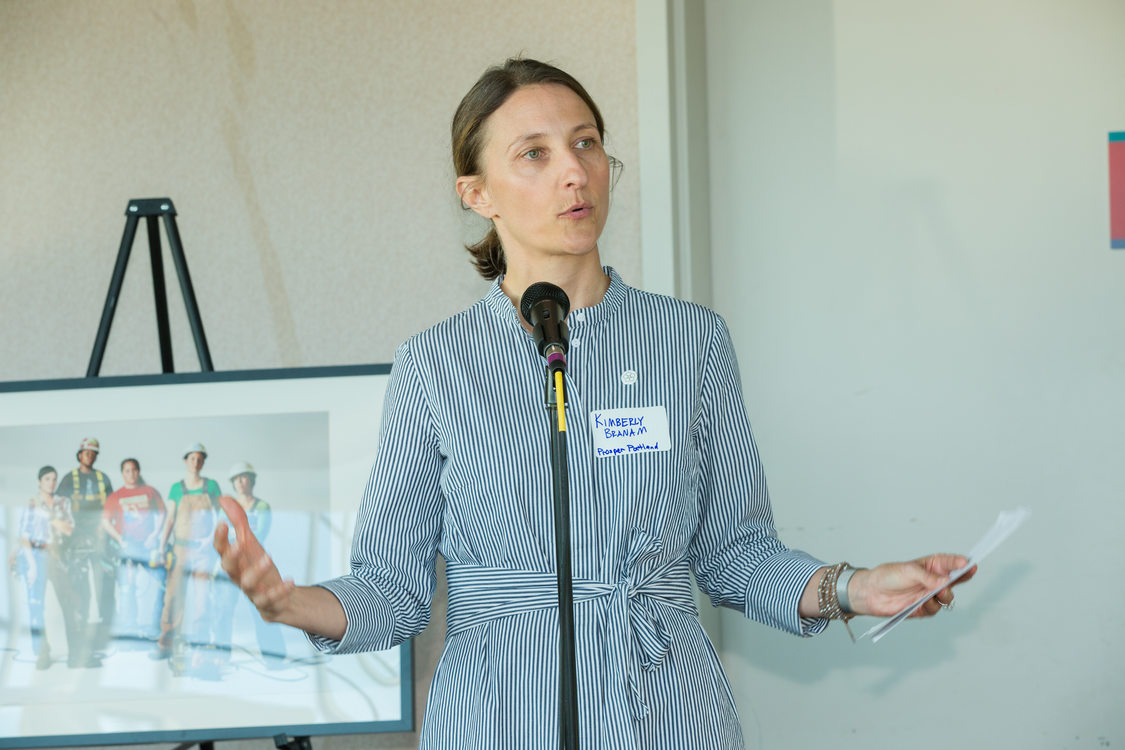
117	624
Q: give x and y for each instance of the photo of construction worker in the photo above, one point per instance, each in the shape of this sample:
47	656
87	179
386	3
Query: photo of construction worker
185	623
133	519
228	602
41	558
89	553
162	479
223	666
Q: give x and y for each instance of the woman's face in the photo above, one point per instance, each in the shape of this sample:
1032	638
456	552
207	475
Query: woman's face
194	461
48	482
546	175
243	484
130	474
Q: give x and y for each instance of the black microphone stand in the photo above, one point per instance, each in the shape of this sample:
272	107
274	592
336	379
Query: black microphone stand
555	397
545	306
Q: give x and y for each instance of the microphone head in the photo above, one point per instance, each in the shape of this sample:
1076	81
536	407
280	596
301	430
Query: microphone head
539	292
545	306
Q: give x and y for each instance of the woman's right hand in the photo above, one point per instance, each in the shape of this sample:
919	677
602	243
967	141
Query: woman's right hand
249	565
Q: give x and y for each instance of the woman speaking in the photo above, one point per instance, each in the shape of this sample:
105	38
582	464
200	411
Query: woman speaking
463	469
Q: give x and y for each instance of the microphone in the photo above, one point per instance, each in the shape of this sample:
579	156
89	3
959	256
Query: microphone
545	306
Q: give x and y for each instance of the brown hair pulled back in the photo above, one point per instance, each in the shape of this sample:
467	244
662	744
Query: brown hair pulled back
486	96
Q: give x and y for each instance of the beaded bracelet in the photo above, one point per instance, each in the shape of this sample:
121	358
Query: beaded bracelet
828	598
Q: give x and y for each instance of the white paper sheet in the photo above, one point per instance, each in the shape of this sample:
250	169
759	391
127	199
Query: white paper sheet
1006	523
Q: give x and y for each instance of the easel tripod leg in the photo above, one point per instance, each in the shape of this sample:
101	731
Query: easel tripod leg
163	329
189	294
114	292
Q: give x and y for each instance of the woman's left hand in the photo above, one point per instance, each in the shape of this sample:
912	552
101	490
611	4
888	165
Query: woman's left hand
889	588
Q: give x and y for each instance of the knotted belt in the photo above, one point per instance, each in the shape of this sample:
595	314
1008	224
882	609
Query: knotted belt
635	630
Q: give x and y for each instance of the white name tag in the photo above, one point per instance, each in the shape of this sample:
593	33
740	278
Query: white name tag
624	432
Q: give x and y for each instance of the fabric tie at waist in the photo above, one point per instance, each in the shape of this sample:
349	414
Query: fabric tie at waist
478	595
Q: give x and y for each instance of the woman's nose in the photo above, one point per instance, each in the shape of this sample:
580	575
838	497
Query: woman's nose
574	173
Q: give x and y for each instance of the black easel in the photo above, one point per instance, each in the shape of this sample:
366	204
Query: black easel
151	209
205	745
285	742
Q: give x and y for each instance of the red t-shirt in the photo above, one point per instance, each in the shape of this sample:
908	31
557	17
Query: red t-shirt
136	513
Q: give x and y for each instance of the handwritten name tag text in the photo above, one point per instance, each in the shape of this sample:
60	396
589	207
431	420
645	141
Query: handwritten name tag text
619	432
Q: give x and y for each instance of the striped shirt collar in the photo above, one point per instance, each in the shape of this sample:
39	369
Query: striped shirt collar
498	302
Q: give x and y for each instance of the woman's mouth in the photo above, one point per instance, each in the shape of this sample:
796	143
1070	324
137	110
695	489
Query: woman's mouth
577	211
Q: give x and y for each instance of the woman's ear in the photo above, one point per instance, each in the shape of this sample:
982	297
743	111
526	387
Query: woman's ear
474	195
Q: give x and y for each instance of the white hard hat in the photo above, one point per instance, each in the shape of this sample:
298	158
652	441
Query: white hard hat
242	467
195	448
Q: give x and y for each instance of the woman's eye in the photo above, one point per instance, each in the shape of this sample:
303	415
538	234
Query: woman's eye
533	154
585	143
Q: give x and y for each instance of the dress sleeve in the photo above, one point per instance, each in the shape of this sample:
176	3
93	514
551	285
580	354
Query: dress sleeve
735	554
387	595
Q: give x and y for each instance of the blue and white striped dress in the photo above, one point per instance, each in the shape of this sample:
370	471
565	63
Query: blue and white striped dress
463	469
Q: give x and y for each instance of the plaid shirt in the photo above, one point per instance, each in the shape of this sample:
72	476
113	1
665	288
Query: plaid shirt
35	522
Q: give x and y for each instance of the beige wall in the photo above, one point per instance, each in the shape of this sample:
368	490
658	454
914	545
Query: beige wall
305	145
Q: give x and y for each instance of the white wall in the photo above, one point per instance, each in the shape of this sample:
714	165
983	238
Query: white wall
911	241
